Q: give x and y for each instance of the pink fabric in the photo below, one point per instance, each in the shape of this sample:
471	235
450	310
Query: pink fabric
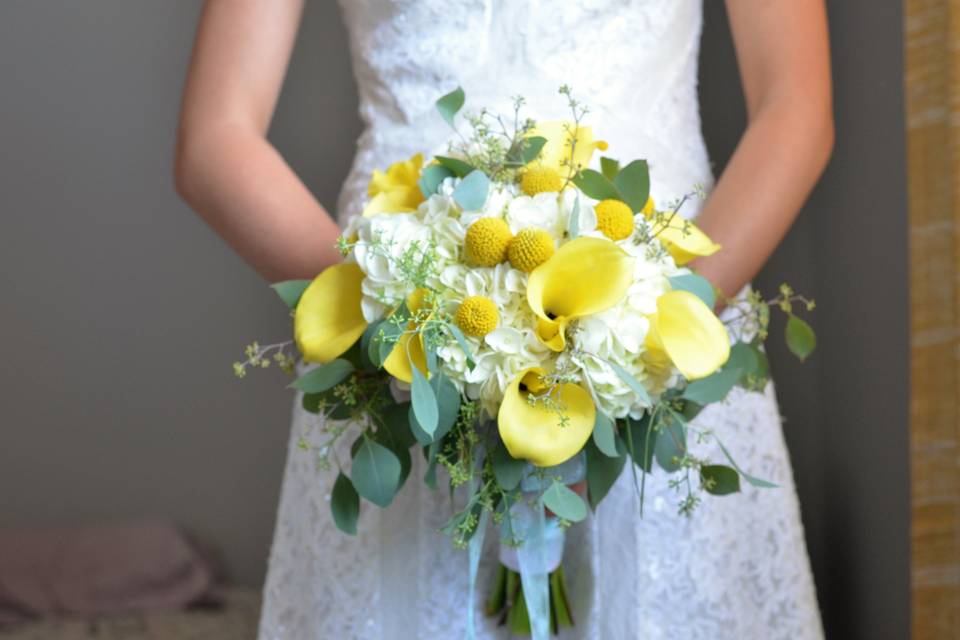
99	570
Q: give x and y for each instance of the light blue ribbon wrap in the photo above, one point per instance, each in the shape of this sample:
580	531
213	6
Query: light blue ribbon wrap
474	550
541	540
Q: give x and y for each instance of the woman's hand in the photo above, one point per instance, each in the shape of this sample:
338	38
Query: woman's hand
225	168
784	57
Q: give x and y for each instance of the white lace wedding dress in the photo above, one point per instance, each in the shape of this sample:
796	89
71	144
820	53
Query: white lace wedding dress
737	569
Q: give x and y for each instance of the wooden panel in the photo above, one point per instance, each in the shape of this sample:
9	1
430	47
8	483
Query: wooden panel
933	123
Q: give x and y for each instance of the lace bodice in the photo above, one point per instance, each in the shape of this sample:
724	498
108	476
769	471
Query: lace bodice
738	569
632	62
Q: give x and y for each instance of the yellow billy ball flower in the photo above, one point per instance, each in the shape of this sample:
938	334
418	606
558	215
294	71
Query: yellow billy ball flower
530	248
540	180
487	240
477	316
614	219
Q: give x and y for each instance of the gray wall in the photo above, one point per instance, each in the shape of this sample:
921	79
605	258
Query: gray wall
122	313
846	408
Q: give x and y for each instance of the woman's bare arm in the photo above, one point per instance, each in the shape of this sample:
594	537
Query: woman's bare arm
784	57
225	168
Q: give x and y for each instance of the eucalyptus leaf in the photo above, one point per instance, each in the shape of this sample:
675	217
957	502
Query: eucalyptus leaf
594	185
532	147
633	183
506	469
450	104
602	470
800	337
641	441
459	167
345	505
609	167
720	480
421	436
605	435
695	284
671	443
324	377
755	481
375	472
564	502
714	387
632	382
369	357
462	341
574	225
290	291
448	403
471	193
424	402
396	421
431	178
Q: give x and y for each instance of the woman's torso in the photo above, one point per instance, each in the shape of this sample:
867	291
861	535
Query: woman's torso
632	62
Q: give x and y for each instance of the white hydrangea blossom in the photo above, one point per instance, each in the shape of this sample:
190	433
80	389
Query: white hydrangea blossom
439	225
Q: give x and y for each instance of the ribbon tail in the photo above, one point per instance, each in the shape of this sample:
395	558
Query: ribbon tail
532	557
474	551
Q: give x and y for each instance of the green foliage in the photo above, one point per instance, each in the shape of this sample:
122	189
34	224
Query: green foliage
632	382
471	193
507	470
641	441
424	402
564	502
633	184
800	337
462	342
324	377
714	387
574	225
345	505
695	284
609	168
595	186
671	445
458	167
290	291
755	481
604	435
718	479
396	422
602	470
450	104
375	472
531	148
431	177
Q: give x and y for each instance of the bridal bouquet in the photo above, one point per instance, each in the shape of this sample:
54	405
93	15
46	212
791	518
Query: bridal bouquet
528	322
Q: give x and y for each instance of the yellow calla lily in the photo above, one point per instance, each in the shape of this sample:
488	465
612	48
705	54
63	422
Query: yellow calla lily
328	319
535	432
685	241
408	352
585	276
395	190
556	152
686	331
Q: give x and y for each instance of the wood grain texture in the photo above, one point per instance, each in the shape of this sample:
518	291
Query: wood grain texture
933	123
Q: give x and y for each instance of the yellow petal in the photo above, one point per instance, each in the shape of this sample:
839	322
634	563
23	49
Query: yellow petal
685	241
689	333
556	153
407	353
585	276
534	432
552	333
395	200
328	319
398	174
